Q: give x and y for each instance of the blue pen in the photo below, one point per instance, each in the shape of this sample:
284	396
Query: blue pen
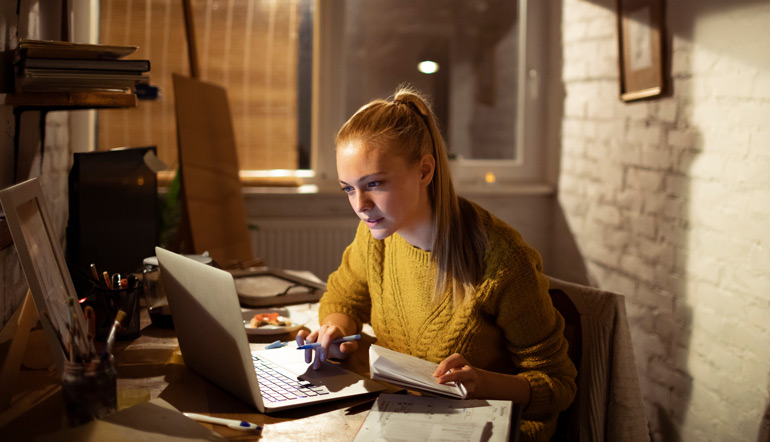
336	341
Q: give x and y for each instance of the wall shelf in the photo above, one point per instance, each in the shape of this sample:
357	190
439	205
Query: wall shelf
68	100
58	101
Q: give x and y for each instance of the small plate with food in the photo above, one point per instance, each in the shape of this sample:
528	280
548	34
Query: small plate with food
272	321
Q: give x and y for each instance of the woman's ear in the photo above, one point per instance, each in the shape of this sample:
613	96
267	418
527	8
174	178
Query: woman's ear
427	168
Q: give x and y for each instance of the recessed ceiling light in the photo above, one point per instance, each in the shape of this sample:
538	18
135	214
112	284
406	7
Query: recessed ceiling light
427	67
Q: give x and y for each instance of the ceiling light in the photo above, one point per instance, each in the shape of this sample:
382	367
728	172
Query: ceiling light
427	67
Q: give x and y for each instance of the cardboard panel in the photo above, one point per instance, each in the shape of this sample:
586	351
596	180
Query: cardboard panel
208	161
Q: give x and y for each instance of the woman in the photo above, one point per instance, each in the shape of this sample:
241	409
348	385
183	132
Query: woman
437	276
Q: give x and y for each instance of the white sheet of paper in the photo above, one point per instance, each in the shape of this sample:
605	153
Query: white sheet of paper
397	417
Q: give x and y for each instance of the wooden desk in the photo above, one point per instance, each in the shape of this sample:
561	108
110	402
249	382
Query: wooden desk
151	366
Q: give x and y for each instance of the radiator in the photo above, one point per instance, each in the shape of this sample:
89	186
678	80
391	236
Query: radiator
309	244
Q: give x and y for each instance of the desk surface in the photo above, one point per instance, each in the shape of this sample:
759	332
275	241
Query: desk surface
151	366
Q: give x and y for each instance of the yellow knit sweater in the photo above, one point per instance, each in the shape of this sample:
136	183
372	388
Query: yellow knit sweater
510	326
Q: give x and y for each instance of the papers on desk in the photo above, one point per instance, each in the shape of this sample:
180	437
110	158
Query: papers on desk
409	372
398	417
156	420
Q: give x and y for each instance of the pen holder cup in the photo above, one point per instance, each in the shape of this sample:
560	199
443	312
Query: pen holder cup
89	390
107	303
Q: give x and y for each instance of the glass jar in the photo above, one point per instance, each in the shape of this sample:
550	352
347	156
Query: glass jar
89	390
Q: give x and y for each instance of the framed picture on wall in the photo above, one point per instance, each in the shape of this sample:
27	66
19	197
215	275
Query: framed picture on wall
640	48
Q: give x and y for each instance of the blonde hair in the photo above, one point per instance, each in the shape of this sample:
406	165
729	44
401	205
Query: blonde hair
406	124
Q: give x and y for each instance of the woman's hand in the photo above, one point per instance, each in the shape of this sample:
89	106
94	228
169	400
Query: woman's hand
483	384
333	327
456	368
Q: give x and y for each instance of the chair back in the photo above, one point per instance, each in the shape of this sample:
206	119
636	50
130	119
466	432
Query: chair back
567	427
609	405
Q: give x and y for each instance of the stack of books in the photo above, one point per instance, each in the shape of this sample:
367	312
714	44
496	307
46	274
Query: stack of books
55	66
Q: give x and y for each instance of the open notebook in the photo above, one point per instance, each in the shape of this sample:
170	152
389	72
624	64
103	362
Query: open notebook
410	372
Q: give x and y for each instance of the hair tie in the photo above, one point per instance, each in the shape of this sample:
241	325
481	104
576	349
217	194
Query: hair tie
413	107
422	116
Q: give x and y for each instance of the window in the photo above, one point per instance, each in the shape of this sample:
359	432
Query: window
285	97
487	92
259	51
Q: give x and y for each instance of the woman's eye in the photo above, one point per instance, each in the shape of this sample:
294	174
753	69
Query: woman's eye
373	184
347	189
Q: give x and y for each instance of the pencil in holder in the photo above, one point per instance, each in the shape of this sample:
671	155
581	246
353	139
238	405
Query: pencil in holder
107	302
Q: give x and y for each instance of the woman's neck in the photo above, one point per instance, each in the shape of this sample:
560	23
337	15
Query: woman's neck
420	234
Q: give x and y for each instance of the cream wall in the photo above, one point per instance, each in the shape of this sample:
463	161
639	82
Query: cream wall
668	201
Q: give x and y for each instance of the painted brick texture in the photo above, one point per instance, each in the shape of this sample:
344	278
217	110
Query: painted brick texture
669	203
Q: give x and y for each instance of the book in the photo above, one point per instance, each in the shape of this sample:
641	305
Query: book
398	417
49	81
85	64
410	372
64	49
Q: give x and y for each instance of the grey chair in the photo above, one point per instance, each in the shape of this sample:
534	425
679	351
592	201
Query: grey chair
609	404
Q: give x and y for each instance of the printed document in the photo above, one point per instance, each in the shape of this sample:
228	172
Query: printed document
398	417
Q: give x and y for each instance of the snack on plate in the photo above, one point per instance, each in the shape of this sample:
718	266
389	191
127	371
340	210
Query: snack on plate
273	318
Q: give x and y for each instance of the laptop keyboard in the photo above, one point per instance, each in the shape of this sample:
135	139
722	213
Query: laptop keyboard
276	386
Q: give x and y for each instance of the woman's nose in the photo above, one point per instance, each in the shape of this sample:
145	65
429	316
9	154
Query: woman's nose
362	202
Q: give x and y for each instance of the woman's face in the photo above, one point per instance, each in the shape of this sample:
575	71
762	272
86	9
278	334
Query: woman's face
386	192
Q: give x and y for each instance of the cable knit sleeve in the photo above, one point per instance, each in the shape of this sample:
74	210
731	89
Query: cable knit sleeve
347	288
533	329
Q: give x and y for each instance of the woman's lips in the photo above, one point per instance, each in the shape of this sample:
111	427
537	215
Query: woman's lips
372	222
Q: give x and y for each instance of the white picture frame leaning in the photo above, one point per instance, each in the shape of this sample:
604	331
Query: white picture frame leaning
45	268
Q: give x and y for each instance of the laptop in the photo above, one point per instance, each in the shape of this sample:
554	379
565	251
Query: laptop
212	337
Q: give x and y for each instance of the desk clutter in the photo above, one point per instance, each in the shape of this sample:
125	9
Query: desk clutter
106	295
107	308
89	378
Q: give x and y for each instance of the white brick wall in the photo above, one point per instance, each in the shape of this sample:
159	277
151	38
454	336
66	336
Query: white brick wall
669	203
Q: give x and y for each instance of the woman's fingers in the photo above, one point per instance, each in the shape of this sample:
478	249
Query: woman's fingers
348	347
324	335
467	376
456	374
455	360
457	369
320	356
305	336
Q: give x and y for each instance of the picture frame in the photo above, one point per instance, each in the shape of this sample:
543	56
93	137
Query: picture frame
45	269
640	48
